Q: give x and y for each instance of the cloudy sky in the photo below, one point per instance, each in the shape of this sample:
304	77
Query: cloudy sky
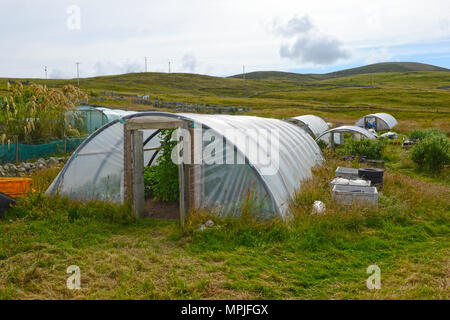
217	37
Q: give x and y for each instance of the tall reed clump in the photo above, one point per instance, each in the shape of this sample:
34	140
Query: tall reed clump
35	112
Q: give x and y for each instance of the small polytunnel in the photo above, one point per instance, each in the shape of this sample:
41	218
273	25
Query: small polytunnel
114	114
339	132
314	125
87	118
96	168
377	121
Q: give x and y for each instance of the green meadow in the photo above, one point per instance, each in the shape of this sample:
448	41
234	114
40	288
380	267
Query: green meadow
312	257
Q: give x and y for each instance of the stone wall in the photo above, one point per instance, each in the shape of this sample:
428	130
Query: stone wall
26	168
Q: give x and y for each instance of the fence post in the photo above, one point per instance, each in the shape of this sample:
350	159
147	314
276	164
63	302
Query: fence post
16	138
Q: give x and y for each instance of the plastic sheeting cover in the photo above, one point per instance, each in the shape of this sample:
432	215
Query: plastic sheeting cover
95	170
114	114
314	123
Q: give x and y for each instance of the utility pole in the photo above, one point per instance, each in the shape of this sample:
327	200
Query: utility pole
45	69
243	72
78	72
145	64
169	66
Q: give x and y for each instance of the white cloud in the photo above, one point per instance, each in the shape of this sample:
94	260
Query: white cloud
292	27
309	44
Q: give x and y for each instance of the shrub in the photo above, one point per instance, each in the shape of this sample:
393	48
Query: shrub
161	179
35	112
94	94
432	153
420	134
370	148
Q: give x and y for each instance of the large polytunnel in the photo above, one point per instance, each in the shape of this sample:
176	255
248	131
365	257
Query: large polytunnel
382	121
96	168
313	124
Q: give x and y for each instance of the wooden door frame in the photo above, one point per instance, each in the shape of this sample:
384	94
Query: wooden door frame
134	160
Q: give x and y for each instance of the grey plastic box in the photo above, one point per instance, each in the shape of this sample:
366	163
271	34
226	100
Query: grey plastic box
365	196
347	173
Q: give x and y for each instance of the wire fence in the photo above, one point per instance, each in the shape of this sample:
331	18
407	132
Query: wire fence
15	152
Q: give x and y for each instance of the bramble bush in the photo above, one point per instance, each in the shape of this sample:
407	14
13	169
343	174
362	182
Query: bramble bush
432	153
161	179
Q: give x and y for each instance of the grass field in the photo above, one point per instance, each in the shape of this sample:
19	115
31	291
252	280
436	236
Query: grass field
315	257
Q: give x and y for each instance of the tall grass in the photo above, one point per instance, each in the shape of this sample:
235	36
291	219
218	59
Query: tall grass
37	206
338	226
312	256
56	208
43	178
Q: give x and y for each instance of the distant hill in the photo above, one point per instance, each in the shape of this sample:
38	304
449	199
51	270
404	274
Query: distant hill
386	67
394	74
371	68
278	75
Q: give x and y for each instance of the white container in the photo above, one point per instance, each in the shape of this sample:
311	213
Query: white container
364	196
349	182
347	173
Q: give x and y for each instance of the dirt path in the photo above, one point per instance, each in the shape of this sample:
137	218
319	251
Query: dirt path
161	210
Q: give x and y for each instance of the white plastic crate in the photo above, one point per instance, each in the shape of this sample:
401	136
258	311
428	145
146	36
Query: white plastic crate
350	182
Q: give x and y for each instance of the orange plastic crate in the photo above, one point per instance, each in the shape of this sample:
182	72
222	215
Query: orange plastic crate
15	187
